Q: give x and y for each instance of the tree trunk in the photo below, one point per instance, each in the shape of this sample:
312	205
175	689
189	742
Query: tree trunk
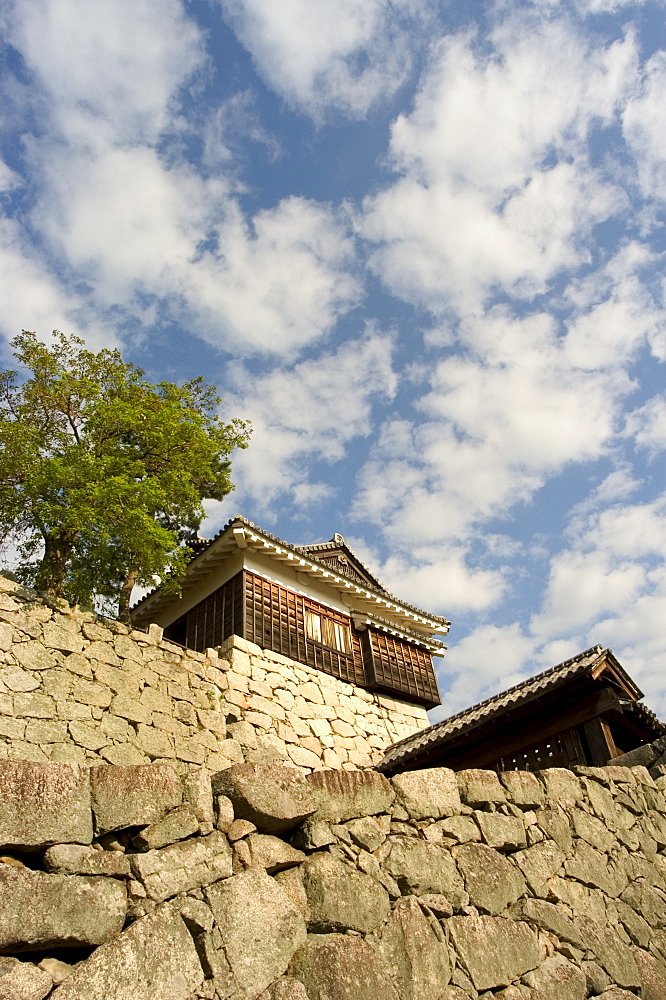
124	596
58	547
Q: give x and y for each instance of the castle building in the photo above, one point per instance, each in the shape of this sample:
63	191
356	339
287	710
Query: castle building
316	604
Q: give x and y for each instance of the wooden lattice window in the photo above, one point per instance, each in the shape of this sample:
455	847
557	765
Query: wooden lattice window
396	665
304	630
563	750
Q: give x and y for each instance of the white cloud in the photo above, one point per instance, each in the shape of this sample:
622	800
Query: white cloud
279	285
647	425
121	210
497	190
643	122
307	414
487	661
318	55
117	61
33	298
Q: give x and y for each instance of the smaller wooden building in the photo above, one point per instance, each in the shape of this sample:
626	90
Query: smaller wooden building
316	604
584	711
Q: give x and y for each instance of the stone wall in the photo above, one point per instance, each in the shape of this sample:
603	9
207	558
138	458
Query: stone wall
78	688
263	883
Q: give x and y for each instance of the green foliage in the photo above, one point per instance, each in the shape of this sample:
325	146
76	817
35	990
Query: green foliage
103	474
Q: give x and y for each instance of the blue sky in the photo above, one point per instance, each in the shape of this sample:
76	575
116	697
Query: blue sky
420	245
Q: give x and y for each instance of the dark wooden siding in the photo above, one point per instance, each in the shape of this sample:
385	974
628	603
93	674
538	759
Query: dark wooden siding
213	620
275	619
396	665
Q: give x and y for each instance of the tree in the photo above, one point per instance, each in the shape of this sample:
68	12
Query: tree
103	474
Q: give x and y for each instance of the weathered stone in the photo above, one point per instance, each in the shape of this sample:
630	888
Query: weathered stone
292	883
176	825
340	967
273	797
610	951
342	898
76	859
260	928
132	795
652	973
491	881
180	867
478	788
561	785
501	831
44	804
34	655
550	917
555	824
523	788
198	794
240	828
592	868
343	795
154	959
272	854
538	863
57	970
558	979
462	829
23	980
416	955
285	988
366	832
313	834
592	830
40	911
428	794
419	867
494	950
16	679
197	915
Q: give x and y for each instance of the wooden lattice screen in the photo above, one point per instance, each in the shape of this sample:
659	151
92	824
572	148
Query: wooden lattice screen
213	620
395	665
275	619
563	750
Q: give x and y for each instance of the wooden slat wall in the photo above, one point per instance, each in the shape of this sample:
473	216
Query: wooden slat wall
275	619
398	666
212	620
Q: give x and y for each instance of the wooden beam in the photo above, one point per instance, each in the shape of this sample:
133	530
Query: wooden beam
505	736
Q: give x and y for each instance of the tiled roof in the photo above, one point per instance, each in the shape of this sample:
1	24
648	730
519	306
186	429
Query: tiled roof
200	545
428	739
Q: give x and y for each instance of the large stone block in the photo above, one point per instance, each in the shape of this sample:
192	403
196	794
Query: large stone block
340	967
419	867
273	797
180	867
23	980
558	979
491	880
494	950
260	929
132	794
478	787
419	959
341	898
154	959
39	911
428	794
44	804
343	795
77	859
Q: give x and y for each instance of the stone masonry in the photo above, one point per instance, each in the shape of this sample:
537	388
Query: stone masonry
78	688
261	882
